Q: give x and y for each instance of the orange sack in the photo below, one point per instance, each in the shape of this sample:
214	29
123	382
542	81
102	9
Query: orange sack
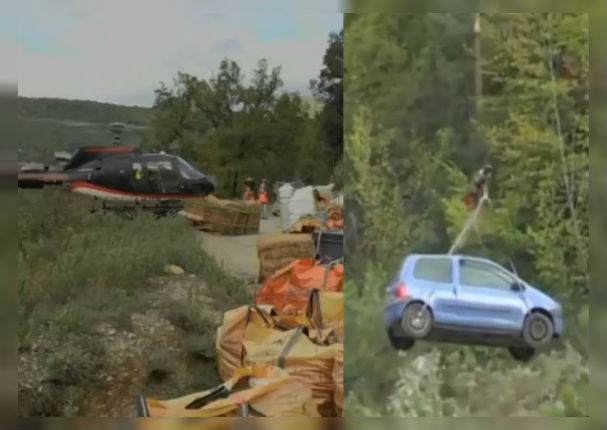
257	335
323	317
265	389
305	361
291	286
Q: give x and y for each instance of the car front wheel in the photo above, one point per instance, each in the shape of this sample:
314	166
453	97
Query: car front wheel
417	320
537	330
521	353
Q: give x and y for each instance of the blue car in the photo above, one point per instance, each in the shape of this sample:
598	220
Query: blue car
456	298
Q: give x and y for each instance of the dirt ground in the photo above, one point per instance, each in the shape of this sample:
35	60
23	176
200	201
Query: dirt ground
238	254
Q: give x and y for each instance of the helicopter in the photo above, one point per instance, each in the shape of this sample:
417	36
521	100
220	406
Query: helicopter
124	179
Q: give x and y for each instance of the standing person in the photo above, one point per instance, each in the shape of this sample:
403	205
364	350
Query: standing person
249	187
479	187
264	198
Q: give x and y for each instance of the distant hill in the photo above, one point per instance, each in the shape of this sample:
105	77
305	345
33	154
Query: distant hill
83	110
47	125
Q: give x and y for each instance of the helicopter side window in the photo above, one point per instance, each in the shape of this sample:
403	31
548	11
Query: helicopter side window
163	170
187	171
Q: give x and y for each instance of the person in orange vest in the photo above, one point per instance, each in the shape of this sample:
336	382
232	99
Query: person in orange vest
264	198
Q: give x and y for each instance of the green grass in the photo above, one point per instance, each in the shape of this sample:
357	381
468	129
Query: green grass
77	270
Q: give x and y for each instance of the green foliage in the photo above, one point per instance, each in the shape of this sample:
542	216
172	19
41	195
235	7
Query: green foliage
414	138
329	90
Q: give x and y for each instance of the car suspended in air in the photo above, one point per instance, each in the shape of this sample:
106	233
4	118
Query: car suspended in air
471	300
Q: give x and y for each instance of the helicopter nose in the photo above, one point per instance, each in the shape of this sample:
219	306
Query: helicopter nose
204	185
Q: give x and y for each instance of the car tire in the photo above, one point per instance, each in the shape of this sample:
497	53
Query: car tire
537	330
401	343
416	321
521	353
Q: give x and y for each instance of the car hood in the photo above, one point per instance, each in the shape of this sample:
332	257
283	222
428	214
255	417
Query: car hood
536	298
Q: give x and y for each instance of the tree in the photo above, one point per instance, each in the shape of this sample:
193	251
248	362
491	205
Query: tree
329	90
235	130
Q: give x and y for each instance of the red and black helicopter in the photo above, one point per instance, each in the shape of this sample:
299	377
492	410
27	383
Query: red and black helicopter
157	182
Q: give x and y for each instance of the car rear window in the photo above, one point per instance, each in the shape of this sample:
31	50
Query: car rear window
434	269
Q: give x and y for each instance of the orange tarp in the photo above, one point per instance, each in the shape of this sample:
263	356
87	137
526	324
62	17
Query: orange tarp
292	285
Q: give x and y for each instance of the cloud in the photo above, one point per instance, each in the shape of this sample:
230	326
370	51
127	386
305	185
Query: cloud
118	52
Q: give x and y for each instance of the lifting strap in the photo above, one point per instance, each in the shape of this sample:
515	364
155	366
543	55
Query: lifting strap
471	221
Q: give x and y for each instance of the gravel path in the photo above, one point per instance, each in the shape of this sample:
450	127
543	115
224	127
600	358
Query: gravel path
238	254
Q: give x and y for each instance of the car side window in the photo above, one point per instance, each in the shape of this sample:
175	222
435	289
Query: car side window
478	274
434	270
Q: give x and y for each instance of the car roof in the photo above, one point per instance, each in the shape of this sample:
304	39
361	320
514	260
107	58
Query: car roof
453	256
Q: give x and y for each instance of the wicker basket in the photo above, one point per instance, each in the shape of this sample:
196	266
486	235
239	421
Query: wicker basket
226	217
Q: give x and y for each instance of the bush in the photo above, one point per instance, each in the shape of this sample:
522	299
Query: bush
78	270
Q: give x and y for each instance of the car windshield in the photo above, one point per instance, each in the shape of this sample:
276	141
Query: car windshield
187	170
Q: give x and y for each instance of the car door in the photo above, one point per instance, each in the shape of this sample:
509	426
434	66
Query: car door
485	298
433	281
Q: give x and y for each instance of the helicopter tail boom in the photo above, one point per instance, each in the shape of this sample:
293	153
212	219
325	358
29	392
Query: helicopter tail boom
40	180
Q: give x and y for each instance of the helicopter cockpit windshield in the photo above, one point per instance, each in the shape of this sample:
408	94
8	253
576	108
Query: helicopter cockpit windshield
187	171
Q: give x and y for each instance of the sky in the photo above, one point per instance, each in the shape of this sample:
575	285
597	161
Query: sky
120	51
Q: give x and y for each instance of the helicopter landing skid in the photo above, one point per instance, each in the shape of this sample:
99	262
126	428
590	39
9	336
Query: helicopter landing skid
160	209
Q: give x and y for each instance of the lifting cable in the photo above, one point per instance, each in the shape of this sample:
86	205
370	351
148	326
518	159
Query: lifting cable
470	222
